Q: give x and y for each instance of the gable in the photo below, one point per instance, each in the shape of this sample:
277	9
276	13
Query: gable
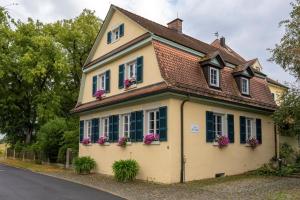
114	19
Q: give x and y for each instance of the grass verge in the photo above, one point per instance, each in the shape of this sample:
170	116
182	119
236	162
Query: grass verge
31	166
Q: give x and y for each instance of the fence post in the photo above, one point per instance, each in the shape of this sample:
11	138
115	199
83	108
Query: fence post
14	154
5	152
69	151
23	155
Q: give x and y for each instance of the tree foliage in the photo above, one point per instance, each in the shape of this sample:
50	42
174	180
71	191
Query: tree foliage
40	71
287	116
287	52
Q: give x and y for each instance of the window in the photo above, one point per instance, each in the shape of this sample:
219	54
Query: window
245	86
101	82
250	129
130	72
126	125
115	34
214	77
88	129
153	121
219	125
105	127
273	95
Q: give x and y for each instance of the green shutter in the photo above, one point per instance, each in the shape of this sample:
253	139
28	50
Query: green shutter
258	131
230	127
95	130
139	126
109	37
121	76
163	123
139	69
81	130
133	126
121	28
110	132
115	128
94	85
242	130
107	81
210	136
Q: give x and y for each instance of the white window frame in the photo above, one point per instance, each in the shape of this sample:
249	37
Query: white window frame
105	127
243	86
124	125
115	34
128	70
214	82
88	131
101	85
155	120
223	124
252	128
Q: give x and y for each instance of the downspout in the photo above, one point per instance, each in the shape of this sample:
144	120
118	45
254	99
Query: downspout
276	141
182	169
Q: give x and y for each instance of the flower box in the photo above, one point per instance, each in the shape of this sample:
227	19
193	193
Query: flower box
103	140
122	142
252	142
221	141
86	141
100	94
129	82
151	138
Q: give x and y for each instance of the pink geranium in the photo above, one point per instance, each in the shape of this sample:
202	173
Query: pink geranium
122	141
252	142
99	94
102	140
129	82
86	141
222	141
149	138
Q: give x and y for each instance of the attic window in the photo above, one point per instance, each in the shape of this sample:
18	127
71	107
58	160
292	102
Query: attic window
245	86
115	34
214	77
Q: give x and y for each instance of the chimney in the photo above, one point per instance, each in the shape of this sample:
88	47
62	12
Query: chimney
176	25
222	42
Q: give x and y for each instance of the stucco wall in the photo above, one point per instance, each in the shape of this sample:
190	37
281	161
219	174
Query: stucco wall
161	163
131	31
151	72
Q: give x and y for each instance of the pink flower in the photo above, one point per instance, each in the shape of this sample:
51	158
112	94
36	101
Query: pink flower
99	94
122	141
86	141
253	142
127	83
149	138
222	141
102	140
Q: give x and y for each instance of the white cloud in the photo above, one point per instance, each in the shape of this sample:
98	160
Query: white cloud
250	27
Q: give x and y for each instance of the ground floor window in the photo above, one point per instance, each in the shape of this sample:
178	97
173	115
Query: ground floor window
219	125
126	125
250	129
105	126
88	132
153	122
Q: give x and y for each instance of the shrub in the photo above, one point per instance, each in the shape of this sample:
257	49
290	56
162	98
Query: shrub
84	165
287	153
125	170
270	170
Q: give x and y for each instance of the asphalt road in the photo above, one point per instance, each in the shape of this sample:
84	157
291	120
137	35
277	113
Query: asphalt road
18	184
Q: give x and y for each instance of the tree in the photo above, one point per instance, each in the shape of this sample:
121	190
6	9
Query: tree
287	116
287	52
40	70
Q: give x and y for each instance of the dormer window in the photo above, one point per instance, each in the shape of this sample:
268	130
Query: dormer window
214	77
115	34
245	86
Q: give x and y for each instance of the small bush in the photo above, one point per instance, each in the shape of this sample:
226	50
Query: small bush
287	153
125	170
84	165
270	170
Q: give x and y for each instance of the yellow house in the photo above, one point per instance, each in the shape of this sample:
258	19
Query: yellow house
176	99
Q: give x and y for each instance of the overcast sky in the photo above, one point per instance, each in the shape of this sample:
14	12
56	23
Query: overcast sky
249	26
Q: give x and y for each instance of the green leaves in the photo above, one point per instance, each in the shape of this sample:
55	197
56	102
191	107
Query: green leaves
287	52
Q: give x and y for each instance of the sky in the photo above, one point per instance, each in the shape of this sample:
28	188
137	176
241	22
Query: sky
249	26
